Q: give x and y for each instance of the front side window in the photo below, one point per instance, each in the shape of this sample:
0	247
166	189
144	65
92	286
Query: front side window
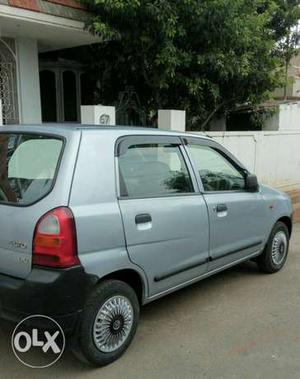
28	164
151	170
216	172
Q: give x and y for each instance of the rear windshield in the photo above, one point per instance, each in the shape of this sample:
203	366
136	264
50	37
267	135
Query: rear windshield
28	164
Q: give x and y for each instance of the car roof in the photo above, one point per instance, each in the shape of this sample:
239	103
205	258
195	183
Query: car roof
65	128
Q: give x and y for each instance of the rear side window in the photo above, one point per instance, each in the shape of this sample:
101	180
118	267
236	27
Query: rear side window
152	170
28	164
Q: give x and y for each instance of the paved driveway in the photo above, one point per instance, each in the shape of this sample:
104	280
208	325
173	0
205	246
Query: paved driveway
238	324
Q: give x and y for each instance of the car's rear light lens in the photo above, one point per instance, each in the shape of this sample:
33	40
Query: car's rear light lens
55	243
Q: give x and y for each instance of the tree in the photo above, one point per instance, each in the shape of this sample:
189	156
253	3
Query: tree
286	31
205	56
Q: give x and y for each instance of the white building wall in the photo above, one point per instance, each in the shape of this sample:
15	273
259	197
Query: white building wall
273	156
289	116
28	81
296	87
286	117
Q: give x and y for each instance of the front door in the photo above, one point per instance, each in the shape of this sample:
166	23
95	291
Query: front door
237	217
165	217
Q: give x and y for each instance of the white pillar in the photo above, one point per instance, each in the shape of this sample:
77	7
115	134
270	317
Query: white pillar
28	81
98	115
172	119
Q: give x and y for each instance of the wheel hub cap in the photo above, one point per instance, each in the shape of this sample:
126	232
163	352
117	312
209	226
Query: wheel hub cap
113	324
279	247
117	325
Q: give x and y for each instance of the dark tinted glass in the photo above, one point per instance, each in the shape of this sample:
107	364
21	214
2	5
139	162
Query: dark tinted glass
28	164
153	170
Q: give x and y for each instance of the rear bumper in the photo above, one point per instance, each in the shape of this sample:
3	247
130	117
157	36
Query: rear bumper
57	293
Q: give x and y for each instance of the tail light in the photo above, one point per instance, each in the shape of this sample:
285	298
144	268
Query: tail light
55	242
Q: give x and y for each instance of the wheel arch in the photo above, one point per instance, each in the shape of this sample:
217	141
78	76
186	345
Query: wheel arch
288	222
132	278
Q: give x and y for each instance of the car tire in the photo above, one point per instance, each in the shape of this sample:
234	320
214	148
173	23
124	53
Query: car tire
108	323
275	253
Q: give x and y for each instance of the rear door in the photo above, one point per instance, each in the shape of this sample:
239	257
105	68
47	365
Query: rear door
164	215
28	168
237	217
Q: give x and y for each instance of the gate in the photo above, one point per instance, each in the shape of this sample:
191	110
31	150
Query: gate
129	110
8	83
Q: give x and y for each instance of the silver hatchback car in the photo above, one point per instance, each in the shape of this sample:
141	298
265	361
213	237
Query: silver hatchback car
97	221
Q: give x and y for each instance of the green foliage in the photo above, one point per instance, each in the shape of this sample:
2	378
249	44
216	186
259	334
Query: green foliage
205	56
283	24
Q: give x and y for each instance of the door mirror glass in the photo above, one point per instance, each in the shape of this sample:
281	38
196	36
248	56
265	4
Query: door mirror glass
252	183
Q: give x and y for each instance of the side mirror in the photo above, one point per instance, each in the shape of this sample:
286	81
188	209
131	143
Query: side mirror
252	183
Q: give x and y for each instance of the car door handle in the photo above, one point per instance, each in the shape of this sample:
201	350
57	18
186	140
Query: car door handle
221	208
143	218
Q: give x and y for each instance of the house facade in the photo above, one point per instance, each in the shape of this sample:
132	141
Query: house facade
292	91
29	86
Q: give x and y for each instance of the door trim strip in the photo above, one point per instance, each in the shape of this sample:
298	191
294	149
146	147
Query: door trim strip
186	267
180	269
200	277
212	259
